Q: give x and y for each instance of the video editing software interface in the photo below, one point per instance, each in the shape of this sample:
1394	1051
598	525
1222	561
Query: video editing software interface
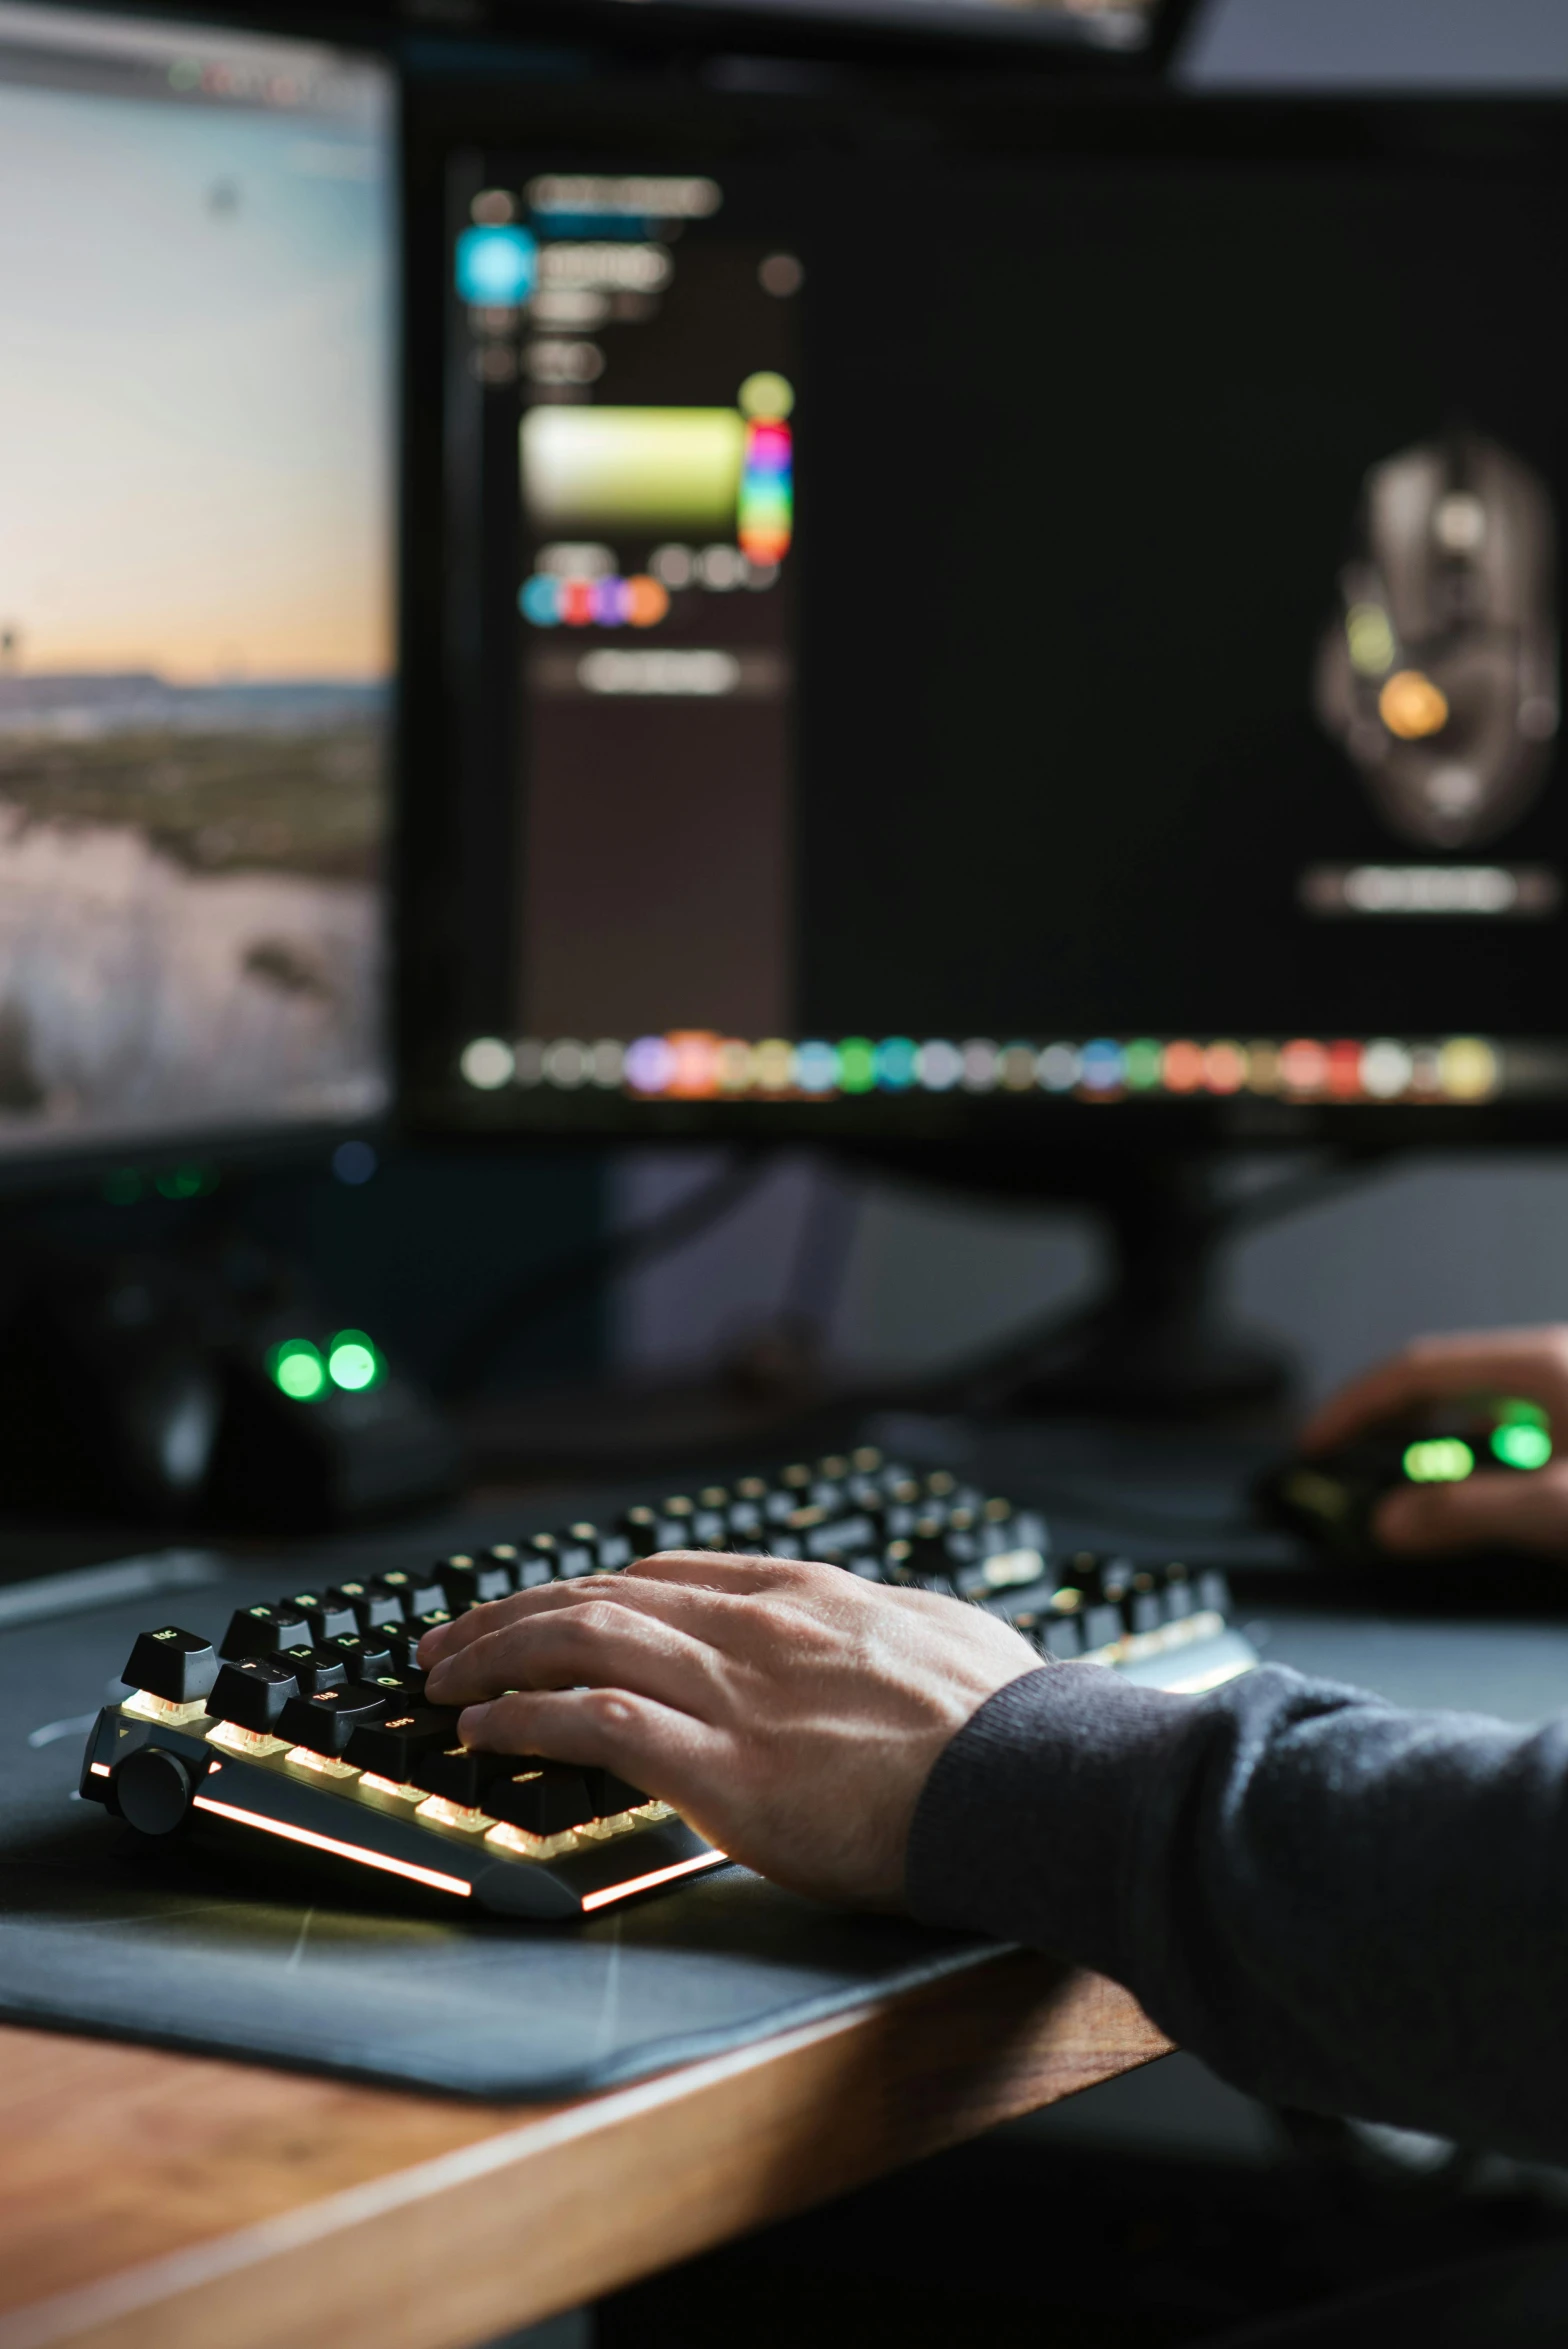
1014	626
196	256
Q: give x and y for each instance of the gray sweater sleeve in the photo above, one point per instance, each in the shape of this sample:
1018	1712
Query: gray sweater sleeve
1337	1904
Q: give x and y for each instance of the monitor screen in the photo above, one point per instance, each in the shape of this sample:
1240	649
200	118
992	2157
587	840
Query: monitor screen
991	632
196	245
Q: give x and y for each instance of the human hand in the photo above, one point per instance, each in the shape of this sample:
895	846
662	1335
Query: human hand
790	1712
1488	1510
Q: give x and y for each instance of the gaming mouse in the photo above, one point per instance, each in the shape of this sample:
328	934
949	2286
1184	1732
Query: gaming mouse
1330	1497
1438	674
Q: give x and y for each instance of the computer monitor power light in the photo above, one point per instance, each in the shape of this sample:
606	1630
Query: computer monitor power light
196	610
1050	622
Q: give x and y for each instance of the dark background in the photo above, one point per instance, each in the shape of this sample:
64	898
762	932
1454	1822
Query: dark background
1080	460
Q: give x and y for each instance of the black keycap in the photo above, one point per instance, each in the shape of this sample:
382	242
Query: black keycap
393	1746
404	1642
315	1669
373	1607
545	1797
612	1794
252	1692
640	1527
178	1665
1061	1638
417	1592
1214	1591
325	1723
401	1685
535	1565
1176	1598
1144	1611
328	1618
363	1657
614	1552
467	1582
1102	1626
576	1552
262	1631
674	1523
1117	1577
452	1770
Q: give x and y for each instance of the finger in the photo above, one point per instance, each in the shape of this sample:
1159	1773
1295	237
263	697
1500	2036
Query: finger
722	1570
597	1645
1529	1362
665	1753
677	1600
1492	1510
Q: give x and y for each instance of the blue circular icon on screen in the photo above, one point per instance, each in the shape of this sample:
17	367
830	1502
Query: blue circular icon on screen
496	267
539	600
1103	1065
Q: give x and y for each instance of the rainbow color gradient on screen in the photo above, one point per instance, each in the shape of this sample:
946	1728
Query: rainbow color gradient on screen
765	512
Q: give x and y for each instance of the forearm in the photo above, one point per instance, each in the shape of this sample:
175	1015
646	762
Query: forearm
1337	1904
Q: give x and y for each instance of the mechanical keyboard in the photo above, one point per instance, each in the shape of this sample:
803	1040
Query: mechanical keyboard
308	1723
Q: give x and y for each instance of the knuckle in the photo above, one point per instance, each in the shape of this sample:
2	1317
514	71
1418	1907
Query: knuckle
609	1709
592	1620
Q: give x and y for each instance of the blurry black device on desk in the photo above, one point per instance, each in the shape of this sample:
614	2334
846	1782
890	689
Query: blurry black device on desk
204	1389
1299	890
308	1723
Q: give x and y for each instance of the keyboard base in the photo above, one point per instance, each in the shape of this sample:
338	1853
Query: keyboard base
297	1804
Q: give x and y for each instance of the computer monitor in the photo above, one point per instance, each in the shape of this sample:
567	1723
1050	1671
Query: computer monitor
1126	25
196	583
1031	627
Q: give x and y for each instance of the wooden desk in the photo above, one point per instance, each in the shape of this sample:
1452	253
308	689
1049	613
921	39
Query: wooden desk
157	2201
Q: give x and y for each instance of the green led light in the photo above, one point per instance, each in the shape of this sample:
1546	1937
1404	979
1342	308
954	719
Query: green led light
353	1363
296	1368
857	1064
1141	1064
184	1182
1514	1411
1438	1460
1518	1445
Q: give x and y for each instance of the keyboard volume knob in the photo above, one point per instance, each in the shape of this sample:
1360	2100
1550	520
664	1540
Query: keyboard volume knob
153	1789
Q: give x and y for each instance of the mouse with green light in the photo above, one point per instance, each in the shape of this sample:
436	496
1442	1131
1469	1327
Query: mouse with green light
1330	1497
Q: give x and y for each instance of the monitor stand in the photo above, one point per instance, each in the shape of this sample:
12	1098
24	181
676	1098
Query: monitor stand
1158	1342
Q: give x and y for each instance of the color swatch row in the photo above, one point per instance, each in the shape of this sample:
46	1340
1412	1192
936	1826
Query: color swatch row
696	1064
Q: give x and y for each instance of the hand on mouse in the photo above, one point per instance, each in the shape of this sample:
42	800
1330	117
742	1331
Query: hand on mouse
790	1712
1519	1512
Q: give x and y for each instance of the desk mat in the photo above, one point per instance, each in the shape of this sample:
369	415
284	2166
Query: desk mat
183	1945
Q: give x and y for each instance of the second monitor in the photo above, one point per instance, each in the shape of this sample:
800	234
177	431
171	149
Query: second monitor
1052	613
